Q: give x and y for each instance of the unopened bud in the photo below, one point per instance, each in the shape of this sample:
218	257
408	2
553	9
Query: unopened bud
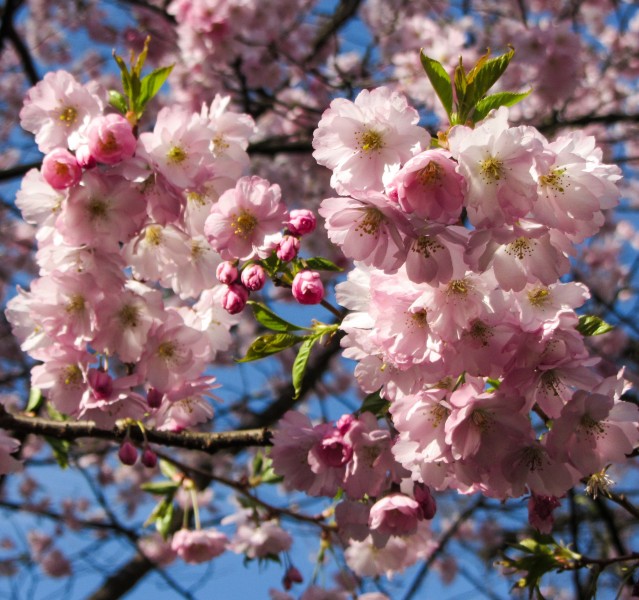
226	272
154	398
254	277
288	248
235	298
301	221
128	454
307	287
149	458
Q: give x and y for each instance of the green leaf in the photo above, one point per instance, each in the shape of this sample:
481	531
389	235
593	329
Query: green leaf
136	69
151	84
440	80
268	344
486	76
60	449
375	404
270	320
321	264
35	399
591	325
160	487
301	362
126	76
461	83
162	516
169	469
118	101
485	105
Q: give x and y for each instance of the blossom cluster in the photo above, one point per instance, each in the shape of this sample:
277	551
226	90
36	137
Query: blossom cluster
459	314
121	218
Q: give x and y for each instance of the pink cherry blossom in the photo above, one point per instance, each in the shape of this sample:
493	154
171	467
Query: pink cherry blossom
429	187
111	139
58	110
60	169
198	546
243	216
365	142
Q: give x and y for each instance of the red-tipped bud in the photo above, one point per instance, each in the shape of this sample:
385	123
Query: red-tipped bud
307	287
149	458
235	298
288	248
254	277
128	454
226	272
301	221
154	398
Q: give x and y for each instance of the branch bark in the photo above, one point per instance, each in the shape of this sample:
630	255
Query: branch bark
68	430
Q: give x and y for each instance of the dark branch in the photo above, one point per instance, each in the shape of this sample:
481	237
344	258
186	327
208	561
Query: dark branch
67	430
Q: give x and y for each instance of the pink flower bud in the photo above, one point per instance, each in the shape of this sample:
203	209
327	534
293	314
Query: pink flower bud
60	169
301	221
288	248
154	398
426	501
291	576
235	298
226	272
101	384
149	458
254	277
111	139
128	454
308	288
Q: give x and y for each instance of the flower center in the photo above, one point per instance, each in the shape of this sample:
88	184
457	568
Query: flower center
539	296
61	169
554	180
481	419
438	414
167	351
153	235
426	246
109	143
480	331
196	198
243	224
76	304
129	315
430	174
176	155
533	458
97	209
592	427
492	169
370	222
197	249
458	287
68	115
72	375
520	248
371	140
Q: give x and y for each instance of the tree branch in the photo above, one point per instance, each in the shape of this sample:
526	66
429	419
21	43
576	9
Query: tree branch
72	430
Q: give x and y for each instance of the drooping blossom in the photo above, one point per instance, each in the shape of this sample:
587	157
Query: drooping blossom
198	546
